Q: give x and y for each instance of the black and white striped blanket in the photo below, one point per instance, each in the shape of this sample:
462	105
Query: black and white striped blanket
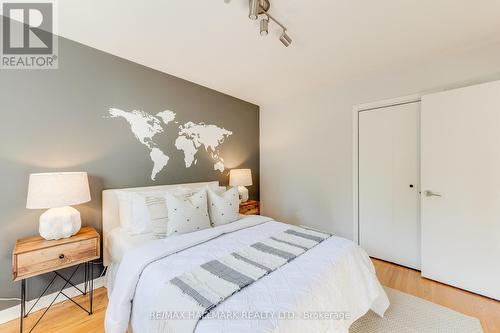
185	299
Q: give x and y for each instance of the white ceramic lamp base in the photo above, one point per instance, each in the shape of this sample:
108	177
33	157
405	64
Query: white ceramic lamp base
61	222
243	193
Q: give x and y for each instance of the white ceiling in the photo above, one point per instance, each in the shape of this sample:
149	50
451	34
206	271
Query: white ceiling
215	44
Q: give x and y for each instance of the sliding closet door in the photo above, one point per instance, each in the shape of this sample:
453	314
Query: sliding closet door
461	188
389	226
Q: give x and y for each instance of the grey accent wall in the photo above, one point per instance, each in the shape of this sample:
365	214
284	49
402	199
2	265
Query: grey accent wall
54	120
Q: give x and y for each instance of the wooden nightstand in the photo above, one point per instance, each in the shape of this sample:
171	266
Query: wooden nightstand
35	256
250	207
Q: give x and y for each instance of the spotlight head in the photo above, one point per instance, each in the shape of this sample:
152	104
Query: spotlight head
254	9
264	27
285	39
264	6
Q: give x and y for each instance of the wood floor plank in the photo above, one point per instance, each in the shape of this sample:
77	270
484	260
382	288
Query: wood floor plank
67	318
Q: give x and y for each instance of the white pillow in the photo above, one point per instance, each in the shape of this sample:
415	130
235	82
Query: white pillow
187	213
224	207
125	209
158	213
146	212
134	215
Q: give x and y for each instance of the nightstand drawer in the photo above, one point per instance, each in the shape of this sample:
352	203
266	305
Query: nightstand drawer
55	257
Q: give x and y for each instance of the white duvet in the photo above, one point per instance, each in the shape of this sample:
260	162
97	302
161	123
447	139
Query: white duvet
324	290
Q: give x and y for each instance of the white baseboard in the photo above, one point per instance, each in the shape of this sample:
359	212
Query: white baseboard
15	311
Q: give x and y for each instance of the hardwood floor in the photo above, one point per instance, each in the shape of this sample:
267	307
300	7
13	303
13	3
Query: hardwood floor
409	281
67	318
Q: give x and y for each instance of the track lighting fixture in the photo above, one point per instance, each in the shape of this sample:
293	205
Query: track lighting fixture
261	8
264	27
285	39
264	6
254	9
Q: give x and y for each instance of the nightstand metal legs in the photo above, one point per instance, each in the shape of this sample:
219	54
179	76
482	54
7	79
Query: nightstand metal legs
88	289
23	304
39	297
85	273
91	285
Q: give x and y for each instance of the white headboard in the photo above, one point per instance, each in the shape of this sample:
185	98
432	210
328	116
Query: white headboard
110	208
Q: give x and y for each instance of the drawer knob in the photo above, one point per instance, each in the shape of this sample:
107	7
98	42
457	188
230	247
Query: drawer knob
61	256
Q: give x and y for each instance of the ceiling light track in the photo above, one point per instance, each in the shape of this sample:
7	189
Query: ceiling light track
260	8
284	38
263	10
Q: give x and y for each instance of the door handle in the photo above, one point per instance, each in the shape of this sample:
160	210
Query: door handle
431	194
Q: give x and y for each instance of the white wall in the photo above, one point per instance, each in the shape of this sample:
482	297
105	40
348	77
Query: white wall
306	140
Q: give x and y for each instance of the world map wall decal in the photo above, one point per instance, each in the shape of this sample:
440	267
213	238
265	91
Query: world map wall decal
191	136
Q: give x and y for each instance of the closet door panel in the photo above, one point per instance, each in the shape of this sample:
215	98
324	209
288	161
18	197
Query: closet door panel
389	183
461	188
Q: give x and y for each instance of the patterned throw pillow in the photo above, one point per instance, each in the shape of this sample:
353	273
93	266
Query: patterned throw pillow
187	213
158	213
224	207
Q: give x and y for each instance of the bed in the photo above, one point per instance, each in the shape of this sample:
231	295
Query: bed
324	290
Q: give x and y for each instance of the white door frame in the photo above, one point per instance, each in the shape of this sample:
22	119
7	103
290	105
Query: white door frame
355	156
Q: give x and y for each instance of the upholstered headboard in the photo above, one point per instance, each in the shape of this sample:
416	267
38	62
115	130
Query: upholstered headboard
110	208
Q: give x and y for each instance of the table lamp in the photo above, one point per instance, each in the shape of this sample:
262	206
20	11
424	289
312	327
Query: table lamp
58	191
241	178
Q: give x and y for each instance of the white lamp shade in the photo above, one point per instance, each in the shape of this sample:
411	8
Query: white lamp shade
51	190
240	177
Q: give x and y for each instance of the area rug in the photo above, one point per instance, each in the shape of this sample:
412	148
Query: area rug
410	314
